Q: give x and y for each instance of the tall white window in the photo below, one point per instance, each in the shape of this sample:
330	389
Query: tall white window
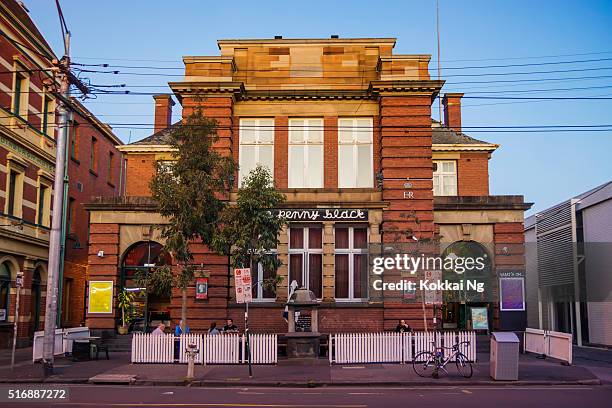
256	145
445	178
305	153
355	153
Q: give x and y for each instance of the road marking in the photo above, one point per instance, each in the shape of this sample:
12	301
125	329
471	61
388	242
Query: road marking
466	391
364	393
145	404
352	367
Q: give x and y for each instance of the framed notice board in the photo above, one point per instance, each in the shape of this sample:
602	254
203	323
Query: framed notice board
100	297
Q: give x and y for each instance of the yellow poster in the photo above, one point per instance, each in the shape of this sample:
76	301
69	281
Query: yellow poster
100	297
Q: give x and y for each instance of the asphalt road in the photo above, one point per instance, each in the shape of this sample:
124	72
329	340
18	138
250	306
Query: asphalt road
347	397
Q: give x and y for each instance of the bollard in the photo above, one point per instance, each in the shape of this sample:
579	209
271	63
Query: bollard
192	352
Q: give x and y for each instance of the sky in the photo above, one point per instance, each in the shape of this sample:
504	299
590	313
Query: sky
545	167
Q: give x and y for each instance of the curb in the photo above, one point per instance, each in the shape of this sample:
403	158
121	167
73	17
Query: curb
302	384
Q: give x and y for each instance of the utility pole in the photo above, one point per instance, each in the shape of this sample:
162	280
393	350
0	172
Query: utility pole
56	237
439	66
58	207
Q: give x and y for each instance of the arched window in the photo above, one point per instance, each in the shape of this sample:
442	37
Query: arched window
5	290
139	261
146	254
481	272
141	257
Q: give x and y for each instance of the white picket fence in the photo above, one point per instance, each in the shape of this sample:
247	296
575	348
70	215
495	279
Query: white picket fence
548	343
213	349
264	349
349	348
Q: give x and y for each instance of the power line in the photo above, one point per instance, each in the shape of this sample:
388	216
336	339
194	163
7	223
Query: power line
451	60
237	73
105	65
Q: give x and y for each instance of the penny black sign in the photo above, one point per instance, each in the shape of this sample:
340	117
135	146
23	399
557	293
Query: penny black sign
323	214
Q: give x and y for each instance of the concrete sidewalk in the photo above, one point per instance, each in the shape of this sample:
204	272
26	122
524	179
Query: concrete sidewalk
119	370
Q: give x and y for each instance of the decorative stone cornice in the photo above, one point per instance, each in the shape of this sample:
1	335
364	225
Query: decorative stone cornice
144	148
506	202
483	147
306	94
207	89
122	203
379	87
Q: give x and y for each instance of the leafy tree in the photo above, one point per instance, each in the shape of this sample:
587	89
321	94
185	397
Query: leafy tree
249	229
190	193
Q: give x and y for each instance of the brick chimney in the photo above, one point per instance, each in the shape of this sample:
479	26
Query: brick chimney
452	110
163	111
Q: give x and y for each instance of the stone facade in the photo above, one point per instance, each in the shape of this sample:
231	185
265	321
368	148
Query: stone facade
331	80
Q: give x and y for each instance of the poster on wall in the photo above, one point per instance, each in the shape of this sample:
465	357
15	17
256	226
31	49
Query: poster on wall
480	319
202	288
512	294
100	297
243	284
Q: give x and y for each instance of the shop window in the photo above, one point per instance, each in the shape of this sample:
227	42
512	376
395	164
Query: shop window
256	146
5	290
305	153
306	258
351	263
445	178
355	153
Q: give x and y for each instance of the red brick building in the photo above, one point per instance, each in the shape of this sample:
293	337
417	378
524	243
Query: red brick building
28	101
343	124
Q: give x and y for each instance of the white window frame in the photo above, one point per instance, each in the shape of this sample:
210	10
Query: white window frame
260	123
310	127
350	125
351	251
438	179
259	276
305	251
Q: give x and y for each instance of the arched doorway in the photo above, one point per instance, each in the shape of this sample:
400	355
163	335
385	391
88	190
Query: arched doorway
5	290
148	307
35	305
457	304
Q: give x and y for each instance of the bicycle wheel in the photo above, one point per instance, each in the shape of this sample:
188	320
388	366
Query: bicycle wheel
464	367
424	363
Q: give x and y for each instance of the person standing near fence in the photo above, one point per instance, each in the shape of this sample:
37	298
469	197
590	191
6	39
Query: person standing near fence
230	327
213	329
178	330
403	327
159	330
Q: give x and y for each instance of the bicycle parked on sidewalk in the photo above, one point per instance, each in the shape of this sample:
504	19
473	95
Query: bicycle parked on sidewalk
429	363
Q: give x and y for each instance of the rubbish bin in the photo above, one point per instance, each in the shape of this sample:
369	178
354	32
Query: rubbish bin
504	356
